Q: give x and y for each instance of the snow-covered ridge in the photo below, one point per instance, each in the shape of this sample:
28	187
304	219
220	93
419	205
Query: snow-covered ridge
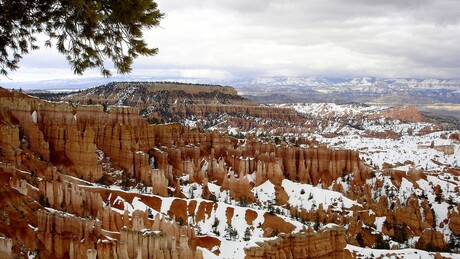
311	81
335	110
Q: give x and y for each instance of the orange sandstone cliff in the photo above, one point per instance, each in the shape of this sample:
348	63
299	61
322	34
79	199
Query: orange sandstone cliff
52	154
99	181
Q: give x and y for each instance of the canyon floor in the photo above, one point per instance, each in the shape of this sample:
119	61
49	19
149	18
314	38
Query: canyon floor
169	170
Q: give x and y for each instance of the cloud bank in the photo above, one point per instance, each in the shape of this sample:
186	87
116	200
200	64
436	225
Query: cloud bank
239	38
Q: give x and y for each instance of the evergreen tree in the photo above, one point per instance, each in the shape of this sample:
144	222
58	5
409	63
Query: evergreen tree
214	227
247	234
230	232
86	32
380	243
317	224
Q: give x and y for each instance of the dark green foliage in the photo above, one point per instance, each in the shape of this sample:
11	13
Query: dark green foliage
317	223
401	233
243	202
247	234
214	227
86	32
150	213
271	208
213	198
216	223
125	181
102	180
454	243
360	239
153	120
431	248
231	233
380	243
438	198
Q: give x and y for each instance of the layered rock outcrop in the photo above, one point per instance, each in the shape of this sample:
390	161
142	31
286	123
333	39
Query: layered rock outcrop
454	223
65	236
431	238
327	243
77	140
54	153
9	143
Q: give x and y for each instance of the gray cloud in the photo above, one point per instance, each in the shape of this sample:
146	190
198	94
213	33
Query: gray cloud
235	38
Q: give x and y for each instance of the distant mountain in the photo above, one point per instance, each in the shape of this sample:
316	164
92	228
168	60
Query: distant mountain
439	97
316	82
57	84
392	83
389	91
364	89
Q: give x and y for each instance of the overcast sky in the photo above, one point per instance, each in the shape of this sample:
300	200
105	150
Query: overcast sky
224	39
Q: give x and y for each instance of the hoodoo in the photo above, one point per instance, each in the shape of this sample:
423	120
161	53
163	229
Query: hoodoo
102	181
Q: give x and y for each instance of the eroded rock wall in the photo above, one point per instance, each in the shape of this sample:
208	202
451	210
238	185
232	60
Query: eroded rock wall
327	243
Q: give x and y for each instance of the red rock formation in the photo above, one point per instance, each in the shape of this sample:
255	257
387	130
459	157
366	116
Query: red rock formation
327	243
239	188
431	238
403	113
179	100
159	183
54	229
17	213
9	141
454	222
411	216
57	141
